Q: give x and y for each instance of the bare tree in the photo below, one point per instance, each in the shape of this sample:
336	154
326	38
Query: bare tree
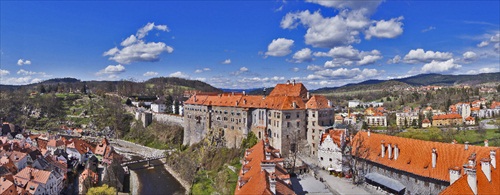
356	152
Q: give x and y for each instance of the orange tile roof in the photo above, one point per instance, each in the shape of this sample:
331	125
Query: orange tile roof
460	186
39	176
255	177
7	187
447	116
494	104
318	102
335	134
415	156
297	89
470	118
426	120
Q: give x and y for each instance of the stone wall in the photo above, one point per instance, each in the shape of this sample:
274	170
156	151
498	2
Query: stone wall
168	118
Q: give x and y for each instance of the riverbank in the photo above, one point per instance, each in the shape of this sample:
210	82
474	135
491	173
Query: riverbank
186	185
134	183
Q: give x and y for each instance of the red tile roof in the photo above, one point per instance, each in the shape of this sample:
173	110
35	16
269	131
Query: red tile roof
335	134
297	89
426	121
415	156
318	102
447	116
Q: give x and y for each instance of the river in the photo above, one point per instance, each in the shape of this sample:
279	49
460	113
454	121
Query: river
155	179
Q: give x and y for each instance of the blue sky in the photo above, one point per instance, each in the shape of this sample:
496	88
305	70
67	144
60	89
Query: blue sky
247	44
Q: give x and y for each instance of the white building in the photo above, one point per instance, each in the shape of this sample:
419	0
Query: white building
329	150
376	120
353	103
158	108
404	118
464	110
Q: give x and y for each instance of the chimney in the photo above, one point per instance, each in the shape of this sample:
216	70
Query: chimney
272	183
294	105
454	141
389	152
194	98
232	93
472	180
396	151
454	174
329	103
293	82
493	159
288	82
382	148
369	132
485	167
434	157
466	145
244	101
486	143
308	95
244	93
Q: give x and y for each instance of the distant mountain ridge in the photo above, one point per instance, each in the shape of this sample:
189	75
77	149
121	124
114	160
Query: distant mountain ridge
420	80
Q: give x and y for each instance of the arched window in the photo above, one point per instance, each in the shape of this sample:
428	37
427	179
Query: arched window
269	133
260	136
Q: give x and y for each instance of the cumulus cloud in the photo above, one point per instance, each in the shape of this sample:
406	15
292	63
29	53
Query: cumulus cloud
385	29
348	55
428	29
440	66
303	55
419	55
25	72
136	49
344	73
112	70
483	70
201	70
4	72
21	62
179	74
19	80
494	39
314	67
344	28
227	61
469	56
240	71
150	74
295	69
279	47
394	60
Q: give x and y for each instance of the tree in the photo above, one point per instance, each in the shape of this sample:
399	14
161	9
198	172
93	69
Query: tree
357	152
102	190
176	107
42	89
84	88
388	99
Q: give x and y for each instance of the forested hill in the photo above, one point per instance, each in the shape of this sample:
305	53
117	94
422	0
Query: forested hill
155	86
418	80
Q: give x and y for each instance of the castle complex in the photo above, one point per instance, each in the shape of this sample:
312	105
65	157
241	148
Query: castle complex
289	117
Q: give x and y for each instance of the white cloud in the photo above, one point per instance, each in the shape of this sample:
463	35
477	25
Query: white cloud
352	19
303	55
130	40
314	67
19	80
21	62
201	70
279	47
367	7
240	71
385	29
344	73
227	61
179	74
25	72
440	66
142	32
150	74
111	69
4	72
469	56
493	39
483	44
428	29
295	69
419	55
136	49
347	55
483	70
394	60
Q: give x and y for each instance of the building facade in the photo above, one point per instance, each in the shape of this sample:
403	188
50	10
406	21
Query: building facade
285	117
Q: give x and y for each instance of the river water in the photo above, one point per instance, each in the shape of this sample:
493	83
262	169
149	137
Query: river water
155	179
